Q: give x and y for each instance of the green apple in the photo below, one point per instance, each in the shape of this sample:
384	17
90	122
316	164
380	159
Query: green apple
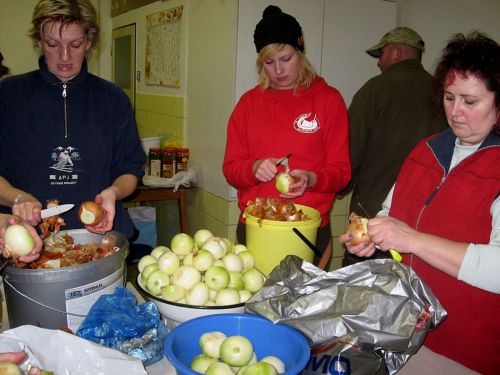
157	280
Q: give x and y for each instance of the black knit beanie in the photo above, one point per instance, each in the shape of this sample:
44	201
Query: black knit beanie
277	27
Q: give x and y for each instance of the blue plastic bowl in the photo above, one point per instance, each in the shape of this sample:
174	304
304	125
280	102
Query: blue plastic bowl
279	340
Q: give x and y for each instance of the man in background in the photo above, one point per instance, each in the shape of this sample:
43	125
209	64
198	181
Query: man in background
389	114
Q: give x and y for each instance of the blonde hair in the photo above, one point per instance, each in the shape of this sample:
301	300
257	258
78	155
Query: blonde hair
306	76
80	12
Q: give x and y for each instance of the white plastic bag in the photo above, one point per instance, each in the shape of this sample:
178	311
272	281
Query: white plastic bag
181	178
64	353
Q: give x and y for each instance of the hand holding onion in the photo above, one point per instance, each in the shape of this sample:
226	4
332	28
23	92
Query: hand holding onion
90	213
358	228
357	233
18	240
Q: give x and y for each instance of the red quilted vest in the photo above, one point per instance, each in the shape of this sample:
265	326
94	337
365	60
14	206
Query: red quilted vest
457	207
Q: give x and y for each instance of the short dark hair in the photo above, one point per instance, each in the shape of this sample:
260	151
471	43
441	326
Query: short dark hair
475	54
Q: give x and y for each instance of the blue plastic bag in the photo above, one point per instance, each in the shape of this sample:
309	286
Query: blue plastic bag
117	321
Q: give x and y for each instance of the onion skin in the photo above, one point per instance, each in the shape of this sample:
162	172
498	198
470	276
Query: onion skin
358	228
90	213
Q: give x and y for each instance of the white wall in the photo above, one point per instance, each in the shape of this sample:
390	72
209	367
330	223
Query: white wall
17	48
437	21
211	66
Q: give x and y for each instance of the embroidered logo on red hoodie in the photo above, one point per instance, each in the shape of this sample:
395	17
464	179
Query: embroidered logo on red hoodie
304	124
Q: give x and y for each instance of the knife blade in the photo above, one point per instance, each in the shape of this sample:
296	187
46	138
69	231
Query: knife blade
284	161
56	210
394	253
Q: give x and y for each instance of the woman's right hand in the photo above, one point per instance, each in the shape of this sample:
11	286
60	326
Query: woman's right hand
265	169
28	208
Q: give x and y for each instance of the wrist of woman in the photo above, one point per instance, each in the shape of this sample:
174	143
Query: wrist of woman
20	198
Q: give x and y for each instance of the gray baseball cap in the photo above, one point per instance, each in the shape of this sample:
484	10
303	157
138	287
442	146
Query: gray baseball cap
399	35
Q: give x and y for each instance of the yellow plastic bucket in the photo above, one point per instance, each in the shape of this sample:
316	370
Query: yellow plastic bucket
270	241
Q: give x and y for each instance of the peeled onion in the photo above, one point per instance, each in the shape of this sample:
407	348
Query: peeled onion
90	213
18	240
358	227
283	182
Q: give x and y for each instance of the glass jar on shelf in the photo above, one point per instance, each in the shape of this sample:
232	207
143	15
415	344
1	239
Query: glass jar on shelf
169	156
155	161
181	160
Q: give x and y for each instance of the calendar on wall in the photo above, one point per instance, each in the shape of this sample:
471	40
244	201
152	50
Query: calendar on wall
163	48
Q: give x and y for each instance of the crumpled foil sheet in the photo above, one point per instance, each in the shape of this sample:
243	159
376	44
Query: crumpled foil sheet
372	315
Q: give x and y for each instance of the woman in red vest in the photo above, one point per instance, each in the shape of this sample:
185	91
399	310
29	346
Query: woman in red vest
443	213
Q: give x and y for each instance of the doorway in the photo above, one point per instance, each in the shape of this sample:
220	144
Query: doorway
123	67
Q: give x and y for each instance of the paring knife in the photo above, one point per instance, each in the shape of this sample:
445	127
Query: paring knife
56	210
394	253
284	161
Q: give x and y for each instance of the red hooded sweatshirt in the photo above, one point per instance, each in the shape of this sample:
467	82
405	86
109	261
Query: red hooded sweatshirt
312	124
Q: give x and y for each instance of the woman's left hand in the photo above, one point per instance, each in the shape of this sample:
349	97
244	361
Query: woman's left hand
303	180
106	199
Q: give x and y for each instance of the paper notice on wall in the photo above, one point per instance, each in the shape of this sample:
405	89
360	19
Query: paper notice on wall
163	47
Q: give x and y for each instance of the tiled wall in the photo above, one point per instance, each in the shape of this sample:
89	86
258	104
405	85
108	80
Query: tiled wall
159	115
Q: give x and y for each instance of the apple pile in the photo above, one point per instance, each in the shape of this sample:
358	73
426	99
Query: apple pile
221	355
203	270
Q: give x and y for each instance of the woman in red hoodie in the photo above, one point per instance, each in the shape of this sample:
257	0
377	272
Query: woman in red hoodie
444	212
291	110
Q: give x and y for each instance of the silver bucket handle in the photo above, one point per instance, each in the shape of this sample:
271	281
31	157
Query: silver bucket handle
6	280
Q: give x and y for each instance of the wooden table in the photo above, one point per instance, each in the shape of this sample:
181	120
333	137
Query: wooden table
144	194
